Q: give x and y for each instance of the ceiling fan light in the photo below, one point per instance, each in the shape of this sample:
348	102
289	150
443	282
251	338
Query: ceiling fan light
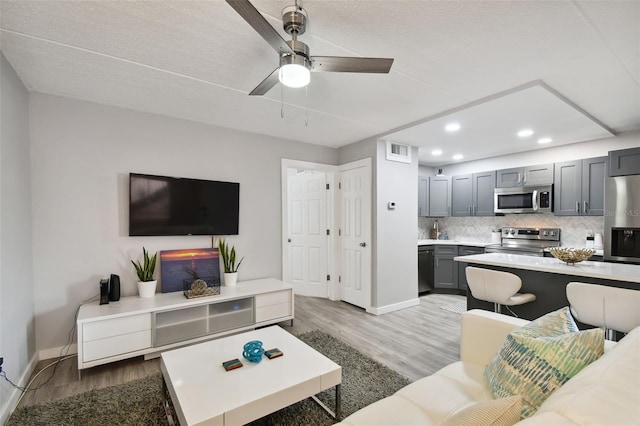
294	75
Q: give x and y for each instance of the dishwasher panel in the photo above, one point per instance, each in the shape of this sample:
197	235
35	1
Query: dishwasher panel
425	268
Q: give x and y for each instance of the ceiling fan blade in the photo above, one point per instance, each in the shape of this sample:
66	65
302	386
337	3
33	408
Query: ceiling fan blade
266	84
250	14
350	64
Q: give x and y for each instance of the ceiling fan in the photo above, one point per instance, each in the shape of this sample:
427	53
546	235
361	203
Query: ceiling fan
295	61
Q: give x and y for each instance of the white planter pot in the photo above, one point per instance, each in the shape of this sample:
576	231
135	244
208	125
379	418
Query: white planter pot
147	288
230	279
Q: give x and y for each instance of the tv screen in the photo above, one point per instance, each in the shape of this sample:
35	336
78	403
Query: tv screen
161	205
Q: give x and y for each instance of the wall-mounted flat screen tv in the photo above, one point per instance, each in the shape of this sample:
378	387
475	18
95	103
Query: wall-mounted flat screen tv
161	205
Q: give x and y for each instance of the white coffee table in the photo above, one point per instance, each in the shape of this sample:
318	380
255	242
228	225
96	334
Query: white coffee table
204	393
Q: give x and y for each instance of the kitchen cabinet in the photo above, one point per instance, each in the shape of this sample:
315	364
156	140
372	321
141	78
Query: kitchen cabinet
520	176
461	195
624	162
462	276
439	196
423	196
446	269
579	187
483	185
472	194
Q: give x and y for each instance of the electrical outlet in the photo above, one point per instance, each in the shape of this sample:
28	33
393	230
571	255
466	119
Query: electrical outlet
590	233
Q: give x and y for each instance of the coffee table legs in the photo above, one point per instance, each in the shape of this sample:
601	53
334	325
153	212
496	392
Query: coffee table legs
338	413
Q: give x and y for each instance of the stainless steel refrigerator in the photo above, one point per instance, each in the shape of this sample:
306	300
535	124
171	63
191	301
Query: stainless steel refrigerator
622	219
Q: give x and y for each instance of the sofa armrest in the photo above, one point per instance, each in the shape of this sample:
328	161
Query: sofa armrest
483	333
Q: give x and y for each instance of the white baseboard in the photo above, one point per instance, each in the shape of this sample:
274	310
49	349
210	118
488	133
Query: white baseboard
394	307
55	352
7	408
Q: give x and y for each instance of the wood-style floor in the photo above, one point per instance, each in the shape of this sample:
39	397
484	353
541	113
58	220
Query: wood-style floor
415	342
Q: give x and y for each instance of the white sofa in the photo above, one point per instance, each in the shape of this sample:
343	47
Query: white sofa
606	392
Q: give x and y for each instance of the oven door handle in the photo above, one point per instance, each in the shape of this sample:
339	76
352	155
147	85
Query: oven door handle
535	200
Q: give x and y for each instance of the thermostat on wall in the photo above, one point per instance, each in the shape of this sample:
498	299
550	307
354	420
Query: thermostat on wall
391	205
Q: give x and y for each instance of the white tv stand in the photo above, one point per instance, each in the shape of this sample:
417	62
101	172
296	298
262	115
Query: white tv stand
136	326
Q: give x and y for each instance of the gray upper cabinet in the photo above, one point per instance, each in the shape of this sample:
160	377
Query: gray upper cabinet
508	178
439	196
594	170
624	162
462	195
423	196
483	186
472	194
579	187
567	188
520	176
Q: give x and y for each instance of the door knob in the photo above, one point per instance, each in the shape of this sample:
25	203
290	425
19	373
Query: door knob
363	244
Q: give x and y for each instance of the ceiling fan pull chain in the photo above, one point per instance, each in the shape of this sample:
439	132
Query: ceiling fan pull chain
281	101
306	106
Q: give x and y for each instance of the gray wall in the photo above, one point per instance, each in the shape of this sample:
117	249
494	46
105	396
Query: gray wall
396	256
17	334
82	154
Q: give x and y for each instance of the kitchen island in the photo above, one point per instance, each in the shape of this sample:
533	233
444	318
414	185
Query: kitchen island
547	278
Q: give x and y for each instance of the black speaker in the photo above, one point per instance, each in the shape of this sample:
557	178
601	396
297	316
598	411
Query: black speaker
104	291
114	288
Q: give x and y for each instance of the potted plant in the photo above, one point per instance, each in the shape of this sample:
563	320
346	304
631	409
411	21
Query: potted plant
229	263
146	285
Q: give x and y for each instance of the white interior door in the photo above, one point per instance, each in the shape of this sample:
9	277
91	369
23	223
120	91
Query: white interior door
355	233
307	239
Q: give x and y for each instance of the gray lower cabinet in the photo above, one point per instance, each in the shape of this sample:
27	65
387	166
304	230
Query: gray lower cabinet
446	269
462	276
579	187
423	196
520	176
439	196
472	194
624	162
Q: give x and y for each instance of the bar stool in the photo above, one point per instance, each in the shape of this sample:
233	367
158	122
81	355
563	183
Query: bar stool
498	287
603	306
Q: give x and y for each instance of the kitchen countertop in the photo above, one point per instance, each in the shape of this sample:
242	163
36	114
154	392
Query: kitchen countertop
429	242
603	270
453	242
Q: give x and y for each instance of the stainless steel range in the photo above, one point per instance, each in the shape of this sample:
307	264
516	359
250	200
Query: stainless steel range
526	241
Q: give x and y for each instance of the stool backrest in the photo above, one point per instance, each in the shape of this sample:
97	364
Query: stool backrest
492	286
604	306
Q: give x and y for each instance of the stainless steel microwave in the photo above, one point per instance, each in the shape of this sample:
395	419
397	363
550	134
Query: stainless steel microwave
524	199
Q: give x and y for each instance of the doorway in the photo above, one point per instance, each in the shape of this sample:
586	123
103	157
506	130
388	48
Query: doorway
307	224
327	235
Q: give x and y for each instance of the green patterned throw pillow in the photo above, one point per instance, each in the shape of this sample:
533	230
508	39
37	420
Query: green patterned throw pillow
538	358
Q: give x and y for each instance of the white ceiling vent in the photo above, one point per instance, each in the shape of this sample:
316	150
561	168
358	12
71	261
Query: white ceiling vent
398	152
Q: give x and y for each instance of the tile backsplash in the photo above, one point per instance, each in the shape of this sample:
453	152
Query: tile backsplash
573	229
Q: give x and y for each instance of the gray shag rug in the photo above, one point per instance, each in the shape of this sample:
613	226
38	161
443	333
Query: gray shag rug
364	381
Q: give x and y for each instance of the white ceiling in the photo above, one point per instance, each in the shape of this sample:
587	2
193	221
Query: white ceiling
199	60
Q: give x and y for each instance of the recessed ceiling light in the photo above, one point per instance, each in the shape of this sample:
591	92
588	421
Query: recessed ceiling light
452	127
545	140
458	157
525	133
436	152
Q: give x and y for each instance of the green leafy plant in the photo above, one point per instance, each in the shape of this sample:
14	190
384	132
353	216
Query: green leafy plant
146	269
228	257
